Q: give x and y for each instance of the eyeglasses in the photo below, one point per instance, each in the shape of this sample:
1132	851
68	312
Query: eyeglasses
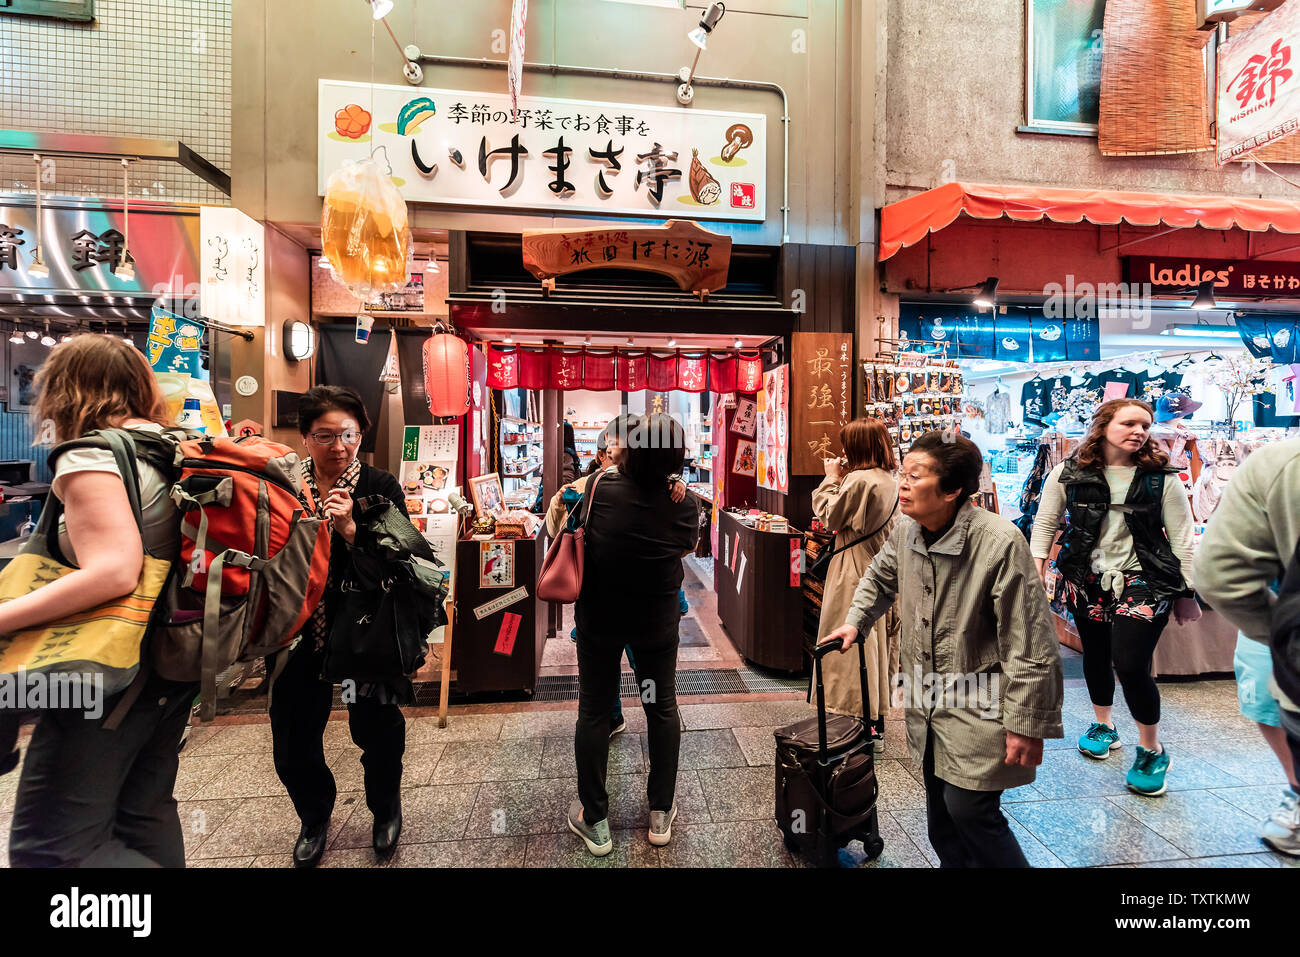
326	439
912	478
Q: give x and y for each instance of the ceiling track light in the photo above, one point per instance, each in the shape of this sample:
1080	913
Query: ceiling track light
987	296
17	337
38	269
48	340
700	37
432	265
1204	296
126	270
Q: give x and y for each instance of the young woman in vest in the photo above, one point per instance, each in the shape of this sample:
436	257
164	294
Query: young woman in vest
1126	558
89	796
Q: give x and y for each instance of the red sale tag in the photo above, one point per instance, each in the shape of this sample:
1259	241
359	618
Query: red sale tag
506	636
796	556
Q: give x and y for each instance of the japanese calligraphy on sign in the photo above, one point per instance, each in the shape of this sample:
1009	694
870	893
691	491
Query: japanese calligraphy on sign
1259	85
483	149
821	398
695	258
774	406
232	265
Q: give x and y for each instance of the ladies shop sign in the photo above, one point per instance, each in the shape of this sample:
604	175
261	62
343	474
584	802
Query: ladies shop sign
551	154
1253	277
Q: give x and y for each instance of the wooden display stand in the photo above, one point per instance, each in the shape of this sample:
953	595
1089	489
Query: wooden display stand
760	609
478	657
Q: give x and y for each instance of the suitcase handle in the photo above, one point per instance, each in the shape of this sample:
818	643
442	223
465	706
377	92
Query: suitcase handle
818	653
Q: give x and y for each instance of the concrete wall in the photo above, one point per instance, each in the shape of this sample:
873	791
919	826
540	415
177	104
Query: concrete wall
151	68
956	80
814	48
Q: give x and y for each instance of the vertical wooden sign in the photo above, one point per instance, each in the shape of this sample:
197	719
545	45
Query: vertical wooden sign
821	398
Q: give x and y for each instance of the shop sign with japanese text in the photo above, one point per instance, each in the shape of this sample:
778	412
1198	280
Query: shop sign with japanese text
1258	89
233	266
1175	275
821	400
84	250
472	149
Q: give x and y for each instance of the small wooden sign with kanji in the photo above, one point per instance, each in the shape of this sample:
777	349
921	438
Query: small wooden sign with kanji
692	256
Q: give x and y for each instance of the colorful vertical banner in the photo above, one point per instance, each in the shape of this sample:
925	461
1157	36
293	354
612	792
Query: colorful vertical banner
175	345
822	375
774	430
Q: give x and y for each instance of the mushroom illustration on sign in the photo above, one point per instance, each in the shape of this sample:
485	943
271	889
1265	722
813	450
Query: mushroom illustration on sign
738	137
704	187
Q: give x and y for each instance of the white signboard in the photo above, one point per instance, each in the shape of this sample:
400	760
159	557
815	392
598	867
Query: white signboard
1259	85
557	155
232	266
1211	11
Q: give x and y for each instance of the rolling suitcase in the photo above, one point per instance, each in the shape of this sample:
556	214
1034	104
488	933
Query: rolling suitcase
826	785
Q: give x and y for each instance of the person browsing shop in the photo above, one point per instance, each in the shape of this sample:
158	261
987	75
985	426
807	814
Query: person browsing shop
974	616
1126	560
333	421
858	500
636	536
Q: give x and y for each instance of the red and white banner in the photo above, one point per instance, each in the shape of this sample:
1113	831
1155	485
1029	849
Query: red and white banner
1259	89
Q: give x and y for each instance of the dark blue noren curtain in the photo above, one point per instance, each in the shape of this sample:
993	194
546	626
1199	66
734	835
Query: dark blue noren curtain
1013	332
346	362
1049	340
1281	337
1254	334
976	337
410	361
1082	340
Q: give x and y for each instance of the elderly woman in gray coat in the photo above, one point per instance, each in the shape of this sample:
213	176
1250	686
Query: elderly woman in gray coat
981	667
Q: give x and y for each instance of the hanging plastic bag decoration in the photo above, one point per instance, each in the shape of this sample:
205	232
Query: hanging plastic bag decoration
364	230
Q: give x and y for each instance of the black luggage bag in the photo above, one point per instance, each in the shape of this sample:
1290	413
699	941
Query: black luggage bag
826	785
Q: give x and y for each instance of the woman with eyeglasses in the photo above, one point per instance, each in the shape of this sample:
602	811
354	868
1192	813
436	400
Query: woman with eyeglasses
332	421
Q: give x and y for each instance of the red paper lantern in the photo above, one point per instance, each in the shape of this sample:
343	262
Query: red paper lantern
448	380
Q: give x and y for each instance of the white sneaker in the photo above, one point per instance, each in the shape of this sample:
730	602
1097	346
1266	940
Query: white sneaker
661	826
1281	831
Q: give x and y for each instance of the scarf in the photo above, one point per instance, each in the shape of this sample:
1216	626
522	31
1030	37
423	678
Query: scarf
317	628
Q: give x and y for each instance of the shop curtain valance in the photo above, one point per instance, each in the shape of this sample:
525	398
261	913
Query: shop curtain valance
1019	335
1270	338
606	370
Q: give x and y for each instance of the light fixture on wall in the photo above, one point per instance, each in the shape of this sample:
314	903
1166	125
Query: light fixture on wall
987	296
299	340
380	8
1204	296
672	343
33	334
700	37
411	69
736	344
127	268
48	340
17	337
432	265
38	269
1200	330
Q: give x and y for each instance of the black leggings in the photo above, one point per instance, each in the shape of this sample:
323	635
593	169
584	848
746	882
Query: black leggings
1124	646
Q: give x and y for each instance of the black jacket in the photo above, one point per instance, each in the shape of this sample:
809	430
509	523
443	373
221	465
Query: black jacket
372	481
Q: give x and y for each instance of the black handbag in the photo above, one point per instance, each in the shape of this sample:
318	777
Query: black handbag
388	602
823	562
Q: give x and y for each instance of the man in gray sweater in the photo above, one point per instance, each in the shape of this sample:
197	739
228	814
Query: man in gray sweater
1244	553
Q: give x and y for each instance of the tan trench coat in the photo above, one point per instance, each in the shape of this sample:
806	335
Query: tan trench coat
976	624
852	507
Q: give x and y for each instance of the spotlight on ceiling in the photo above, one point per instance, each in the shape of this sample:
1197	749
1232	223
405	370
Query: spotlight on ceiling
1204	296
432	265
48	340
700	37
987	297
33	334
17	337
380	8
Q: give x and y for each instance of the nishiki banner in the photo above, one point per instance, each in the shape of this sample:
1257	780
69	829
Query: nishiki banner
471	149
1259	89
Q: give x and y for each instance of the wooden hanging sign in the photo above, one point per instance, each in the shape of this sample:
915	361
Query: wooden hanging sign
692	256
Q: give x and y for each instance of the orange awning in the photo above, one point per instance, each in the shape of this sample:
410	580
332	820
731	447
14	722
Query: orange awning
910	220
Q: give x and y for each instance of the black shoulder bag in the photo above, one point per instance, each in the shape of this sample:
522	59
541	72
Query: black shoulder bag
819	567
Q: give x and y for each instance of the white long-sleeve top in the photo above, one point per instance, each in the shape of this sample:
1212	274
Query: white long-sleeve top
1115	541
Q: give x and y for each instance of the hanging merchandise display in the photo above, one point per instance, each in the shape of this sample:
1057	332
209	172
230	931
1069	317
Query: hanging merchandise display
364	230
997	410
912	396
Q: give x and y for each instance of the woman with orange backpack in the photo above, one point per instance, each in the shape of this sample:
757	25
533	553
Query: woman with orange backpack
89	795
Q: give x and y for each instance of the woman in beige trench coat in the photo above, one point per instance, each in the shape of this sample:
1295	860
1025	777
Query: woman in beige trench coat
859	495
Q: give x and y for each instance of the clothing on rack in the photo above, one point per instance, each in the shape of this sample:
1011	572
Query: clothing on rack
997	411
1098	382
1154	385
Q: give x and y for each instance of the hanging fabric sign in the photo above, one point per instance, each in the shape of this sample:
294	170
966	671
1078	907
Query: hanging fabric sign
633	371
663	373
174	344
503	368
534	369
566	370
722	373
598	371
692	373
749	372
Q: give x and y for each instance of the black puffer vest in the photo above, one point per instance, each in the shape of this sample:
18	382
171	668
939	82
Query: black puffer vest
1087	500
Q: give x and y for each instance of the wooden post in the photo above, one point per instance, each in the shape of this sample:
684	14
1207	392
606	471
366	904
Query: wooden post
444	689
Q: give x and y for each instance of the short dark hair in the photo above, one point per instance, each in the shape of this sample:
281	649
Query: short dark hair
321	399
656	449
957	460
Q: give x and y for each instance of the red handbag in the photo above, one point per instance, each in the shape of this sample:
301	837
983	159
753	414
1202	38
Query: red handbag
560	579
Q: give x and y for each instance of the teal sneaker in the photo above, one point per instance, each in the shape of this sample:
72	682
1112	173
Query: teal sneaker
1099	741
1147	776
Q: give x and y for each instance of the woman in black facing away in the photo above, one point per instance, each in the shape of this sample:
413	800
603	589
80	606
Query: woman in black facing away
332	421
636	536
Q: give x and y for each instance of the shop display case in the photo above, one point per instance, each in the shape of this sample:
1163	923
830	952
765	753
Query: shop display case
757	578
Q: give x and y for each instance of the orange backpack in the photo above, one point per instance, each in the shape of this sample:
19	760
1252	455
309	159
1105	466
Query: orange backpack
253	560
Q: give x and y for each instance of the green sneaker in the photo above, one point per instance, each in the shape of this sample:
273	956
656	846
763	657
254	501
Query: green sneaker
595	836
1099	741
1147	776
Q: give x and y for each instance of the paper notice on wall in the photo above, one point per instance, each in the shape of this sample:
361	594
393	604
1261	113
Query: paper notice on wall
496	604
507	633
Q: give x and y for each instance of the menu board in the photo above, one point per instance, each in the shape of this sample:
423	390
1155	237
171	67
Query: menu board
428	471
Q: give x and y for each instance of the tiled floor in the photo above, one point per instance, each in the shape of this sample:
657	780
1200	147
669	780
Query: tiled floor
492	788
